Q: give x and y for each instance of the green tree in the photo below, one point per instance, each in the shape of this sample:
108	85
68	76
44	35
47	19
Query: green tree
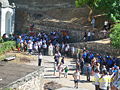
115	36
91	4
111	8
108	7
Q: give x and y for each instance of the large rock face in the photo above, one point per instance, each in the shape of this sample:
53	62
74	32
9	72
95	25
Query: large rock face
60	14
27	9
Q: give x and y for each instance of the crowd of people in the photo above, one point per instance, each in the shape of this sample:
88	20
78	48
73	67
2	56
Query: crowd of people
41	42
104	68
87	62
89	36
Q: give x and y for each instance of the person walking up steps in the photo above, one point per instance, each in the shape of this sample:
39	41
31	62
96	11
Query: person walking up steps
103	81
88	72
60	69
66	71
96	79
62	60
76	77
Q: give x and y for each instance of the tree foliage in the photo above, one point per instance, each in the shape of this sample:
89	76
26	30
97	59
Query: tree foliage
115	36
111	8
91	4
108	7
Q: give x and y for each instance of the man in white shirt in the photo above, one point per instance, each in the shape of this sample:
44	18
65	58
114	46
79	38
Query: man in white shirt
103	81
67	47
89	36
39	59
50	50
106	25
96	79
30	47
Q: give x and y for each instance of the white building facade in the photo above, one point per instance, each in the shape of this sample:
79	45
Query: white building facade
7	17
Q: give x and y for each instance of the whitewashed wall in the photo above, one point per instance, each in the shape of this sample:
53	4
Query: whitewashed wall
7	20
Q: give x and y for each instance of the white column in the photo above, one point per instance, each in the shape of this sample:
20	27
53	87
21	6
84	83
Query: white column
3	14
6	22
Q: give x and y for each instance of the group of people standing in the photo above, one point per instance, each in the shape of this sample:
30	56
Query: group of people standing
103	68
87	62
89	36
41	42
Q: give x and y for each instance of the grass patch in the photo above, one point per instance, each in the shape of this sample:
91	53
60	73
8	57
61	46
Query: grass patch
5	47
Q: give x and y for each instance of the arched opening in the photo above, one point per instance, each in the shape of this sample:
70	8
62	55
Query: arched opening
8	23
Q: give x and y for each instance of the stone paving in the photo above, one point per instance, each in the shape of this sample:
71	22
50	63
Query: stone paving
67	83
10	72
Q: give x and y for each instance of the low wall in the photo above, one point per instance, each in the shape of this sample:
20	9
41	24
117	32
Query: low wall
105	49
32	81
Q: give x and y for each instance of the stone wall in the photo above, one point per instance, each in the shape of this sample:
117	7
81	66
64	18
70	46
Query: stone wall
105	49
75	34
41	2
33	81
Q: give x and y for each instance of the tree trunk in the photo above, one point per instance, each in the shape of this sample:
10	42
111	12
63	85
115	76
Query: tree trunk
90	13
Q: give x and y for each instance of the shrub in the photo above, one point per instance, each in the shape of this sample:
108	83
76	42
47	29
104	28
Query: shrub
1	40
7	46
115	36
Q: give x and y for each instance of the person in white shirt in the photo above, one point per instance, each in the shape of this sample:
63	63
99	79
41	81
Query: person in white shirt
50	50
104	81
96	79
40	43
21	44
67	47
93	22
30	47
76	77
89	36
106	26
36	47
62	48
39	59
60	69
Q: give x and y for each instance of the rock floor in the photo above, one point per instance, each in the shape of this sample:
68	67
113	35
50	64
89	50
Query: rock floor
67	83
